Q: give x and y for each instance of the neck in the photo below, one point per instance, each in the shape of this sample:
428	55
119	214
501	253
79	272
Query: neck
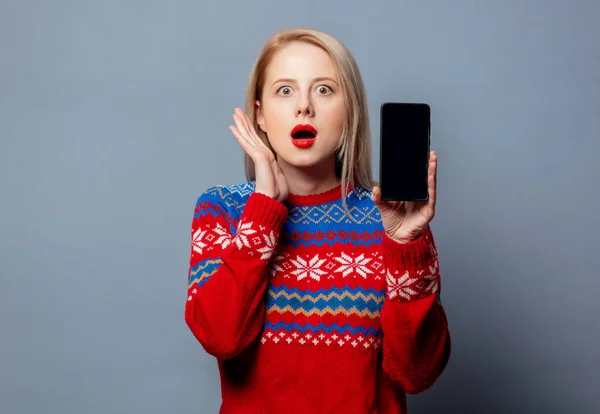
313	180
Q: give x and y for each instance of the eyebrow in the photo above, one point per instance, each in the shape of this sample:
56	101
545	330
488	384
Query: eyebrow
290	80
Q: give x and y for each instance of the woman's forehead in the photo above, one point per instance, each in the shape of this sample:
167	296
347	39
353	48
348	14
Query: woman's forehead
300	60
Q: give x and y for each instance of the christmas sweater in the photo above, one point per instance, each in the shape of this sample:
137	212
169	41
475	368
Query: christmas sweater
309	311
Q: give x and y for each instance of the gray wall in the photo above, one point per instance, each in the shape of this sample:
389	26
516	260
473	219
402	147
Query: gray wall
113	119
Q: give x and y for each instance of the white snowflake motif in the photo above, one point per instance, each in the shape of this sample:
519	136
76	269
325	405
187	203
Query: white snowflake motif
351	265
274	265
430	281
244	231
223	236
269	247
309	269
408	287
401	285
197	243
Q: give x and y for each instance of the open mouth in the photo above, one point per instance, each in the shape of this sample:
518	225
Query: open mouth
303	136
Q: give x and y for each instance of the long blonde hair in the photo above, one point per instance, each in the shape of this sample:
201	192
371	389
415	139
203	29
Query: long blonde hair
353	155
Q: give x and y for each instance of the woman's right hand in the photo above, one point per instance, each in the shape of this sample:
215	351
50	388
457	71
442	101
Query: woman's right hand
270	180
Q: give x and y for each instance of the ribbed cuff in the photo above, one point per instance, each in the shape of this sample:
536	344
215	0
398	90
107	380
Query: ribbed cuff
414	255
266	211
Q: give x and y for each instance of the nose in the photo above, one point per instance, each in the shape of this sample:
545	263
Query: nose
304	107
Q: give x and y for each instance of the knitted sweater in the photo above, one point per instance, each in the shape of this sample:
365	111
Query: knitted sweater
307	311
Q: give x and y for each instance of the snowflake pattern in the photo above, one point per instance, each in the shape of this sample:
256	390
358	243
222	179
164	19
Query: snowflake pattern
257	241
308	269
223	238
244	231
407	287
197	243
269	247
366	266
331	265
356	265
275	264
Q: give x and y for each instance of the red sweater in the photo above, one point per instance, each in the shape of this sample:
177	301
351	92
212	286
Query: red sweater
307	311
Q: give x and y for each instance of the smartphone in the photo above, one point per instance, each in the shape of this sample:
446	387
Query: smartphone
405	140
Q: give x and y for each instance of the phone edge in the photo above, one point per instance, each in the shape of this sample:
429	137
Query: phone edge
380	181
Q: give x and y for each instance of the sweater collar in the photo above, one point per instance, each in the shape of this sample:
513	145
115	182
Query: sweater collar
312	199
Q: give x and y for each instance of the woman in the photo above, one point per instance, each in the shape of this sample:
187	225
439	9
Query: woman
314	295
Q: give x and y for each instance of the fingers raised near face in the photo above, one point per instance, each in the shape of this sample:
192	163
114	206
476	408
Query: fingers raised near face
249	131
241	129
243	120
246	145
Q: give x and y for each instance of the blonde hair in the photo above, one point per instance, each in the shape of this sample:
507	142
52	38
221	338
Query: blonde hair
353	155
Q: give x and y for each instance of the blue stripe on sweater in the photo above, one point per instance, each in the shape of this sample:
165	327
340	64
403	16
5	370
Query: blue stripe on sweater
322	327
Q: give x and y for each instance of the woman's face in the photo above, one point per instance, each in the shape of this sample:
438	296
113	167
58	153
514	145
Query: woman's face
301	88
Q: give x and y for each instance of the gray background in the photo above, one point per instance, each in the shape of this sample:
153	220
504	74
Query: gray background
113	119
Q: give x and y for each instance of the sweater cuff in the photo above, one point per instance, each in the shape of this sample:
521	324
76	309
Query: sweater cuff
412	269
265	211
412	256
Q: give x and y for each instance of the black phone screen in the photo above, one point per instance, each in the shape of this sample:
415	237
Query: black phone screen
404	151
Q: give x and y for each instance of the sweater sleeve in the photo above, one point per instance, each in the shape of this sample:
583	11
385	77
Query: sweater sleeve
227	274
416	338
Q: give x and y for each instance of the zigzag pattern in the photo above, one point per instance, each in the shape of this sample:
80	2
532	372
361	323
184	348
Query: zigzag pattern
333	213
243	190
227	196
338	293
340	310
322	328
208	207
204	270
235	196
335	302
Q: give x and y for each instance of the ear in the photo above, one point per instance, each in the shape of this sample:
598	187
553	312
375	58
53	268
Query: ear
260	120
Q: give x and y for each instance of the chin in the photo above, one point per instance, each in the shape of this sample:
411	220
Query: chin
305	159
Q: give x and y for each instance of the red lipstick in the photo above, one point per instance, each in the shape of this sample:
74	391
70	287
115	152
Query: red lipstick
303	136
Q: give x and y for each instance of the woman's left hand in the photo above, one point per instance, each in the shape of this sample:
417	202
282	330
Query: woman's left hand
405	221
